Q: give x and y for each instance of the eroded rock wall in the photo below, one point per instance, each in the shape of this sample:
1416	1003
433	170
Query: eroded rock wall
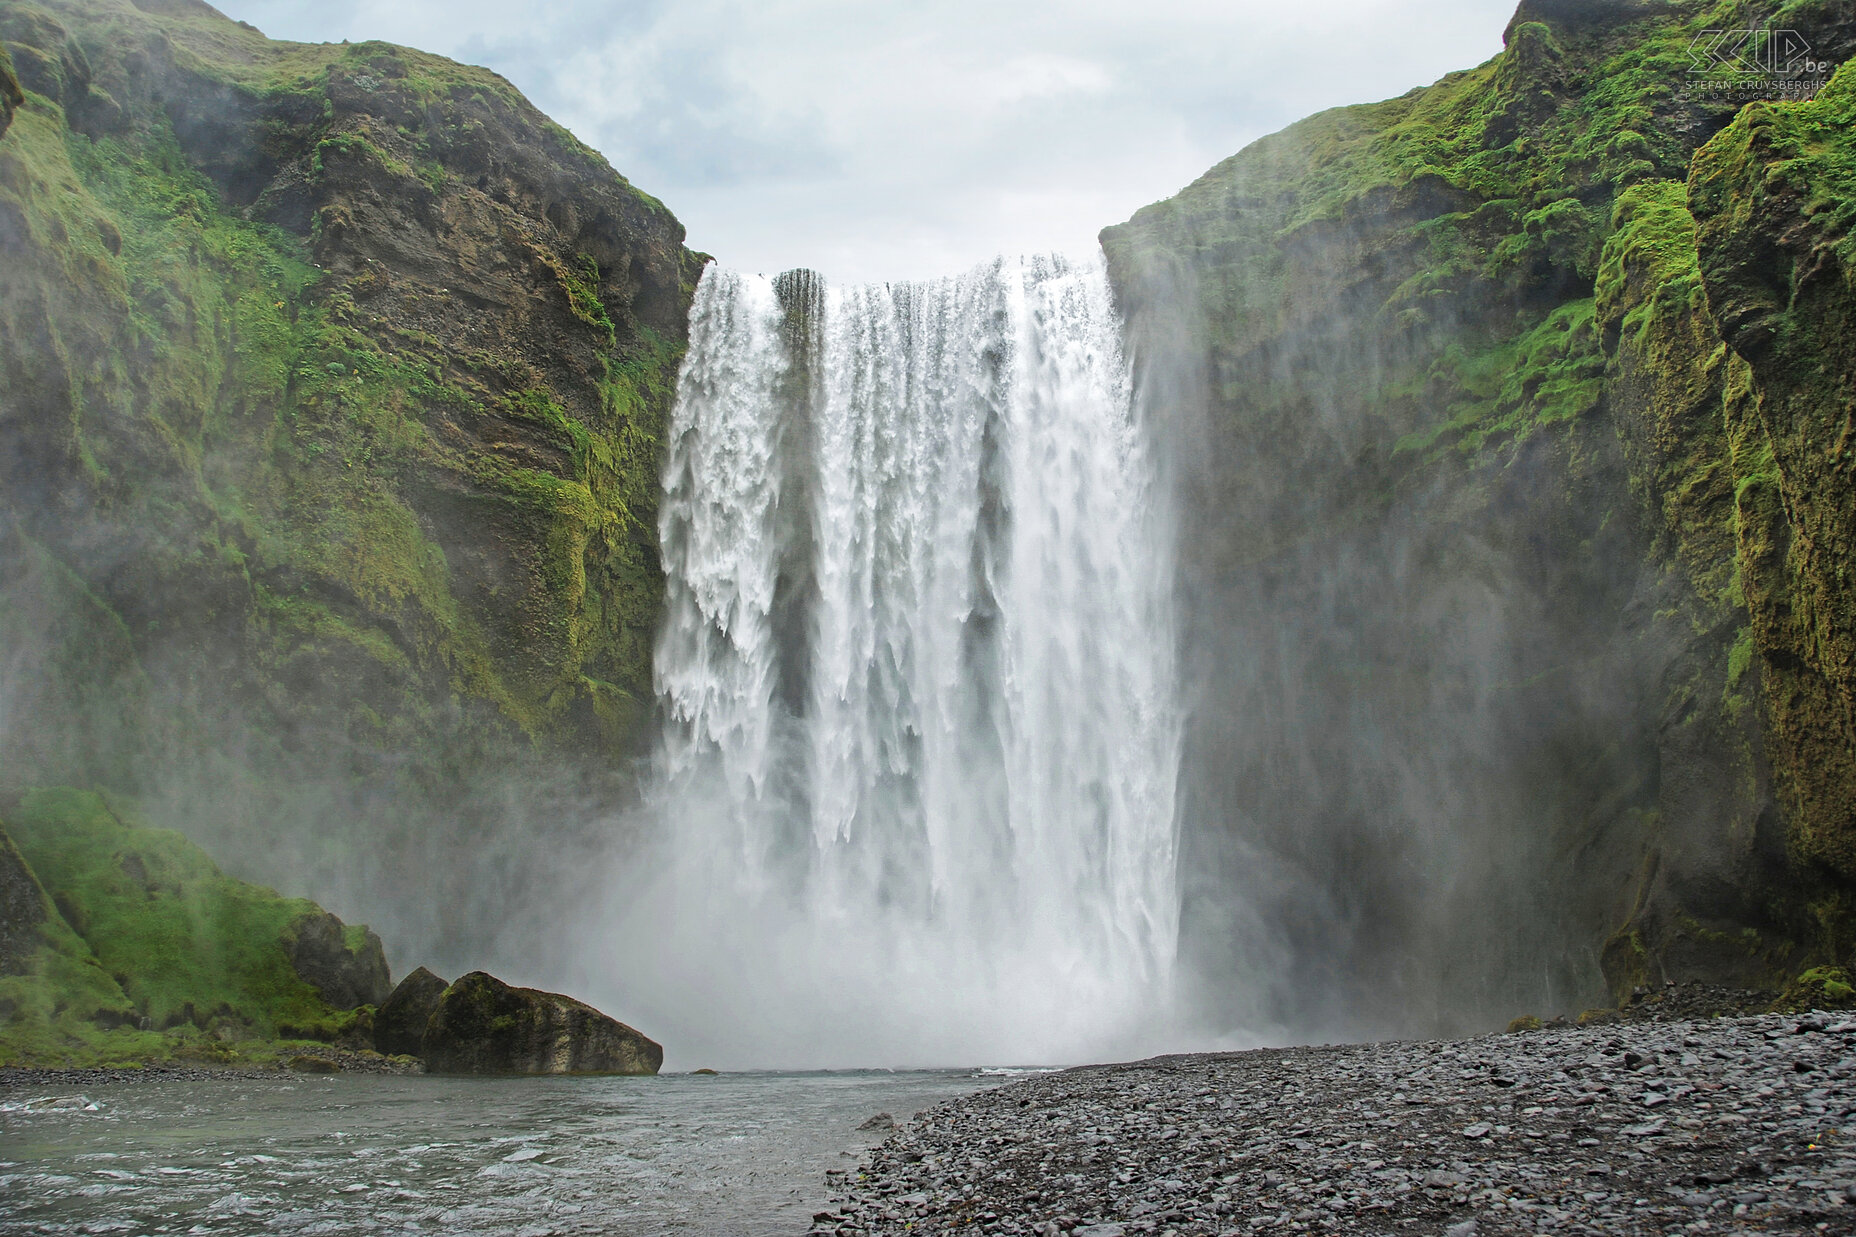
331	386
1513	561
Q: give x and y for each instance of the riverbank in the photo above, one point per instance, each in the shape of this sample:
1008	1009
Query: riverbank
1735	1124
319	1059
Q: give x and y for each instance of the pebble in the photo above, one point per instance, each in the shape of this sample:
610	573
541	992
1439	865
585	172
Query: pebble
1740	1124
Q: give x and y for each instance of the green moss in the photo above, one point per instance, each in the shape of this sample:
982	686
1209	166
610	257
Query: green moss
1771	194
185	943
1739	660
580	281
1505	393
61	998
149	952
1821	987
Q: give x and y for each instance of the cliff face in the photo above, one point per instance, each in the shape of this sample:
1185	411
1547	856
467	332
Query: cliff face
331	384
1774	202
1512	443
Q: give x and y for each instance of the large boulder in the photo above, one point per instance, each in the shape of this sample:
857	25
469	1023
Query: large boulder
346	965
399	1025
484	1026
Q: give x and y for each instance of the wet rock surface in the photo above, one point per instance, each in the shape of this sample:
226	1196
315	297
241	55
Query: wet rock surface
399	1025
1725	1125
345	974
482	1025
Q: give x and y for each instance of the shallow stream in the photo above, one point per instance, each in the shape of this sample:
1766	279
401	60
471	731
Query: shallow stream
731	1154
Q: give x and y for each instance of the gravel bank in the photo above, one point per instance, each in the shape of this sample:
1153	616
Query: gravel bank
1723	1125
324	1059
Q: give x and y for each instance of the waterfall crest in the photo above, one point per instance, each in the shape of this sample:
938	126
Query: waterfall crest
921	731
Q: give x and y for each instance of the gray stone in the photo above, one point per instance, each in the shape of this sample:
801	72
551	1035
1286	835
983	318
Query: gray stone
1262	1139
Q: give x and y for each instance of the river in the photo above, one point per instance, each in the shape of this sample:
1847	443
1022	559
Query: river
731	1154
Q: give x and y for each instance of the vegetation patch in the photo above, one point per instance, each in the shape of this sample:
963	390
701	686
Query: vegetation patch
150	951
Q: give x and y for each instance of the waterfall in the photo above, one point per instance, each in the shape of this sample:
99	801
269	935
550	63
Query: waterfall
921	732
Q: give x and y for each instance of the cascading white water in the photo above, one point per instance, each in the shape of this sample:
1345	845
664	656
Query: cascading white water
917	670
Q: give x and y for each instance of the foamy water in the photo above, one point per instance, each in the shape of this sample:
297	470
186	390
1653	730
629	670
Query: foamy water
917	785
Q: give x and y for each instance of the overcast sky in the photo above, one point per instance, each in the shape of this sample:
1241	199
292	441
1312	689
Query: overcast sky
885	141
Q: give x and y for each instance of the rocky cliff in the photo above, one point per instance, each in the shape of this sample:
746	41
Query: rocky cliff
331	384
1510	420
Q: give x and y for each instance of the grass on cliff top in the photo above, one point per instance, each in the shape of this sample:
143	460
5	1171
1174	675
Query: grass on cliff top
180	940
1542	121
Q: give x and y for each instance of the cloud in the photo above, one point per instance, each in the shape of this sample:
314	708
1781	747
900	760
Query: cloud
899	141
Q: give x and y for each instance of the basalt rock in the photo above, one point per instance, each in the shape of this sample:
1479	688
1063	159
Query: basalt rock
347	966
399	1023
484	1026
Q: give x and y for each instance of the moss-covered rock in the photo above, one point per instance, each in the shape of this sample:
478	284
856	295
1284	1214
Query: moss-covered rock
142	949
347	966
483	1026
1774	199
1821	987
23	908
12	94
373	384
